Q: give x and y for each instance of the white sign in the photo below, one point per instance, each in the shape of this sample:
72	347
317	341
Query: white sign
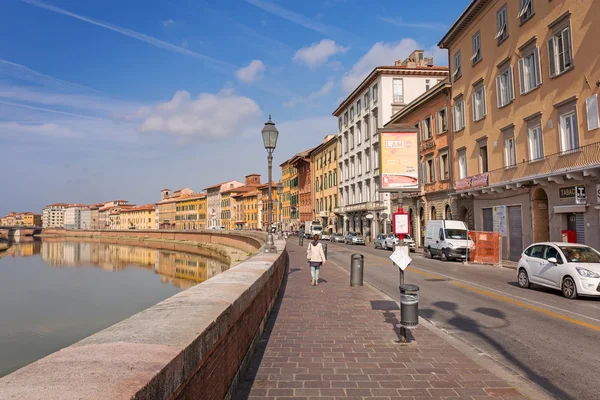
580	195
400	258
401	224
499	213
591	104
597	193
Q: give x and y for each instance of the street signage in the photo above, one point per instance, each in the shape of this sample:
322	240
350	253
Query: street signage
400	223
580	197
400	258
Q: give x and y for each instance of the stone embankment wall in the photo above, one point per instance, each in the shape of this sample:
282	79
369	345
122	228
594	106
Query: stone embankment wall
194	345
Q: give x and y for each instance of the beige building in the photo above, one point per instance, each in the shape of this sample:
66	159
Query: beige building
324	171
525	84
138	218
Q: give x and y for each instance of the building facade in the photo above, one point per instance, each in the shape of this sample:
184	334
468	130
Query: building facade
166	208
304	186
286	175
428	114
263	205
525	110
190	212
27	219
213	198
138	218
384	92
53	215
324	167
249	201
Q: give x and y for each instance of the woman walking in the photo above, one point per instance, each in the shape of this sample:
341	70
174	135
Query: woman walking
315	257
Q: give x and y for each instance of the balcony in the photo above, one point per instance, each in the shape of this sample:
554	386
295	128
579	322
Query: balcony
576	164
398	99
323	214
365	206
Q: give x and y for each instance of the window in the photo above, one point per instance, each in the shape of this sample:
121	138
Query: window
457	71
426	128
358	132
375	93
359	165
444	166
442	121
375	158
366	120
346	118
352	113
536	145
375	122
367	161
430	168
526	11
334	178
340	124
358	107
569	135
476	41
366	99
483	158
462	164
504	87
529	71
398	91
559	51
345	142
591	107
351	138
479	109
459	114
502	25
427	84
510	155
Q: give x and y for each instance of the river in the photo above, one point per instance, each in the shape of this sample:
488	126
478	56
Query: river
55	292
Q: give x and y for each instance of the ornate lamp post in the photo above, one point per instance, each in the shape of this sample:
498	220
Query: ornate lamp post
269	135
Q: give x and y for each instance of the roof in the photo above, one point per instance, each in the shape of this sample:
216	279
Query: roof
147	207
462	22
165	189
414	105
434	70
323	145
301	156
239	189
252	174
253	193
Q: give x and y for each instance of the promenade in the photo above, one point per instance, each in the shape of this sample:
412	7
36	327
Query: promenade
333	341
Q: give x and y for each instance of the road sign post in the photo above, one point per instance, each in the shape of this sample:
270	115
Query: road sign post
402	260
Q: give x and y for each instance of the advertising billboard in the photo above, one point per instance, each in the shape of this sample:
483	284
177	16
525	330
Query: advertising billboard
399	161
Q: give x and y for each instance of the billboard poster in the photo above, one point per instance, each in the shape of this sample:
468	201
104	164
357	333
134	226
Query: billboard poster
399	160
499	214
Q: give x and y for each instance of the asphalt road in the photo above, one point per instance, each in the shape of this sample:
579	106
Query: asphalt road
549	340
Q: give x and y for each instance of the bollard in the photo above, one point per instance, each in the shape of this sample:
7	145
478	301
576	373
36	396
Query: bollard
356	269
324	249
300	240
409	306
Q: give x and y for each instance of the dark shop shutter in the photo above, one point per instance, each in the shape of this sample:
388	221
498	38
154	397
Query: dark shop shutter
580	228
488	220
515	227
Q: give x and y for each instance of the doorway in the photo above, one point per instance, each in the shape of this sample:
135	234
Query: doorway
541	218
421	226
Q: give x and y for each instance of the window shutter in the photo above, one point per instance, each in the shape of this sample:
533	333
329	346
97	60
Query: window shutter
511	83
499	91
454	125
521	77
551	57
538	66
483	103
566	35
474	107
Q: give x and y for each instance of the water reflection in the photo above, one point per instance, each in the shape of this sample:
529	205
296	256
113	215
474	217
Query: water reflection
55	292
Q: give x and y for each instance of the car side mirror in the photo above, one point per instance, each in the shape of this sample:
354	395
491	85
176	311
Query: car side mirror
553	260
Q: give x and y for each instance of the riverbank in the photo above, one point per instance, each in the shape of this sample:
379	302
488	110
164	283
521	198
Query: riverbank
195	243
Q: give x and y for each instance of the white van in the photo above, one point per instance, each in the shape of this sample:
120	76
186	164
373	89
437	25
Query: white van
447	239
217	228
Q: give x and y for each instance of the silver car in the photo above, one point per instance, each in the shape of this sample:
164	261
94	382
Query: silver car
337	238
354	238
379	242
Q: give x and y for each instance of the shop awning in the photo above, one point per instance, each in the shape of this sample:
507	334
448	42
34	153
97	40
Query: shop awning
575	208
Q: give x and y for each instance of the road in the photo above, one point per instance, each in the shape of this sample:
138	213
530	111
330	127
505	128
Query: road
549	340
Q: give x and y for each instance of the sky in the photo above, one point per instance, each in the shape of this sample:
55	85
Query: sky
117	99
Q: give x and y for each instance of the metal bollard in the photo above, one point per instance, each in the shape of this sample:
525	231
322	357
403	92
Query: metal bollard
409	306
300	240
324	249
356	269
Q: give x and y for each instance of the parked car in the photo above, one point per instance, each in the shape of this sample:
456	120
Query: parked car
447	239
325	236
379	241
391	240
354	238
574	269
337	238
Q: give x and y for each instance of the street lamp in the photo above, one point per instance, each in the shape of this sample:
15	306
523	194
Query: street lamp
269	135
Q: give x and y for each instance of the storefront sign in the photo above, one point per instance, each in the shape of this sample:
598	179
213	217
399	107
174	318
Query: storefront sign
573	191
472	182
580	197
597	193
566	192
499	213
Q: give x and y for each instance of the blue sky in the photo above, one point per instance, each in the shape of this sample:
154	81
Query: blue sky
118	99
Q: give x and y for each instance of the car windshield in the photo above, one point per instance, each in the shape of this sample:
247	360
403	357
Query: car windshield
351	234
580	254
317	228
456	234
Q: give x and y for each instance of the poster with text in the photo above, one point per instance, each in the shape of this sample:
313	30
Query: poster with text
399	161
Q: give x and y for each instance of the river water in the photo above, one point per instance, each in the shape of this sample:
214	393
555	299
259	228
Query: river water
54	292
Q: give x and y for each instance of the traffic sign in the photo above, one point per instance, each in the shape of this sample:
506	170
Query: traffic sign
400	258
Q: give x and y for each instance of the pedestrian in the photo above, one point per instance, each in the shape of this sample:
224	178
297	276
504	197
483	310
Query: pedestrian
315	258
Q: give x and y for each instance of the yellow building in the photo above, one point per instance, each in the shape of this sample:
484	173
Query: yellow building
526	132
21	219
139	218
285	195
227	204
324	177
190	212
249	203
263	205
290	192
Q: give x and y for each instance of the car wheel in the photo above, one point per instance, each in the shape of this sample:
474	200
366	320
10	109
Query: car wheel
428	252
523	279
444	256
569	289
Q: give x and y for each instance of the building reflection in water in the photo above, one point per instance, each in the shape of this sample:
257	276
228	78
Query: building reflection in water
180	269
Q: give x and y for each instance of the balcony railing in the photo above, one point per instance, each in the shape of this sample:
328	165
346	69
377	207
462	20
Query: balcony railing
398	99
562	162
366	206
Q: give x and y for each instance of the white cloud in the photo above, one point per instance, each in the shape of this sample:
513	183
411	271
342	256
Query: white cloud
380	54
322	92
44	129
252	72
317	54
184	44
168	23
440	56
209	116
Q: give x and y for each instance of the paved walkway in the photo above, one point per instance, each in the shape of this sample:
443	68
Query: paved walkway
334	341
